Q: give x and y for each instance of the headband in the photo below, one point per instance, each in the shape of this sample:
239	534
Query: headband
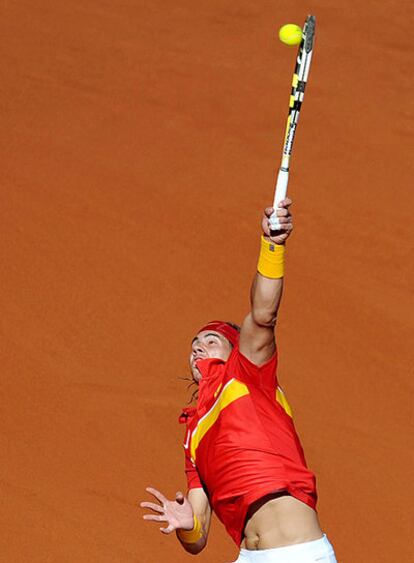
224	329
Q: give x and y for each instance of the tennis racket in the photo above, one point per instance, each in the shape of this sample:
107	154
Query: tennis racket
300	77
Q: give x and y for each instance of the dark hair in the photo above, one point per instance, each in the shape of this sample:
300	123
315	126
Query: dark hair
233	325
194	394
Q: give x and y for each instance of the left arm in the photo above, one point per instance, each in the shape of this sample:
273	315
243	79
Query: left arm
257	338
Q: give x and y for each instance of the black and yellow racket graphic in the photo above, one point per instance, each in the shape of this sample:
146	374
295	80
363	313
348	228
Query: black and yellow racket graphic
300	77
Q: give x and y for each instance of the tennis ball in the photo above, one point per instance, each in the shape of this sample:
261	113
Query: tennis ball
290	34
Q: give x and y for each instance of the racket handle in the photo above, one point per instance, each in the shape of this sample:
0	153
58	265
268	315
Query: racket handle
280	194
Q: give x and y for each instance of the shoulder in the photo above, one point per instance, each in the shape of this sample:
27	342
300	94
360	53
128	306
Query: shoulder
241	367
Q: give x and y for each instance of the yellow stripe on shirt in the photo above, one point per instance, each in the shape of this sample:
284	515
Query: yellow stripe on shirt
232	391
281	399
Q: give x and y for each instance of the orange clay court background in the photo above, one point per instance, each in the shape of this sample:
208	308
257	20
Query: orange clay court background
140	142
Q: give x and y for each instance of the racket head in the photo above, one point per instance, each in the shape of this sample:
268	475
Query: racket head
299	81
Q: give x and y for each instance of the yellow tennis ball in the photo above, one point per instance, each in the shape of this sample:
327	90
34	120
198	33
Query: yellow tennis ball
290	34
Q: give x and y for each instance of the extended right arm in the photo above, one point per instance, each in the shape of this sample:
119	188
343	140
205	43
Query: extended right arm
257	339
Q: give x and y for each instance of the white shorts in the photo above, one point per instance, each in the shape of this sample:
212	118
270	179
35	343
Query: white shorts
316	551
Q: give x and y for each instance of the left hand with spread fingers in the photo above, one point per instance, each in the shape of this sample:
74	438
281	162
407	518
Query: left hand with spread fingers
175	514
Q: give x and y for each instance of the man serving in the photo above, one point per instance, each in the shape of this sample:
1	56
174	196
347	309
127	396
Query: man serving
243	458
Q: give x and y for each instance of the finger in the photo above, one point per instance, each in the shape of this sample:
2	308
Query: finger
152	506
268	211
285	219
287	202
157	494
167	530
155	517
282	212
280	237
281	230
285	226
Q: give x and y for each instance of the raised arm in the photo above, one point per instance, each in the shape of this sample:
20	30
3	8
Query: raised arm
188	516
257	338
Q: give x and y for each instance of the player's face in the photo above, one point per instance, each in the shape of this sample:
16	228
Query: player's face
208	344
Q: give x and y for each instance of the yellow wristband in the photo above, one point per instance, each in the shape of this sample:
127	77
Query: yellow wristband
271	259
191	536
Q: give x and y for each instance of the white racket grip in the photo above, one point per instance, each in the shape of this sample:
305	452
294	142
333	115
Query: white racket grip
280	194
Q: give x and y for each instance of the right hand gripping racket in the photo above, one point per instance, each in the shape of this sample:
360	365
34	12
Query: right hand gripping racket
300	77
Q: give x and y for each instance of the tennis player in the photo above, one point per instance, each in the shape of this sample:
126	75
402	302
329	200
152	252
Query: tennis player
243	458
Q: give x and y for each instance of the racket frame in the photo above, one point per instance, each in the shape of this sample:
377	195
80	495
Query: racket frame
299	81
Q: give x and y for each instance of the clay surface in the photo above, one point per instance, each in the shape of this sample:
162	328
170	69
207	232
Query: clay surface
139	145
